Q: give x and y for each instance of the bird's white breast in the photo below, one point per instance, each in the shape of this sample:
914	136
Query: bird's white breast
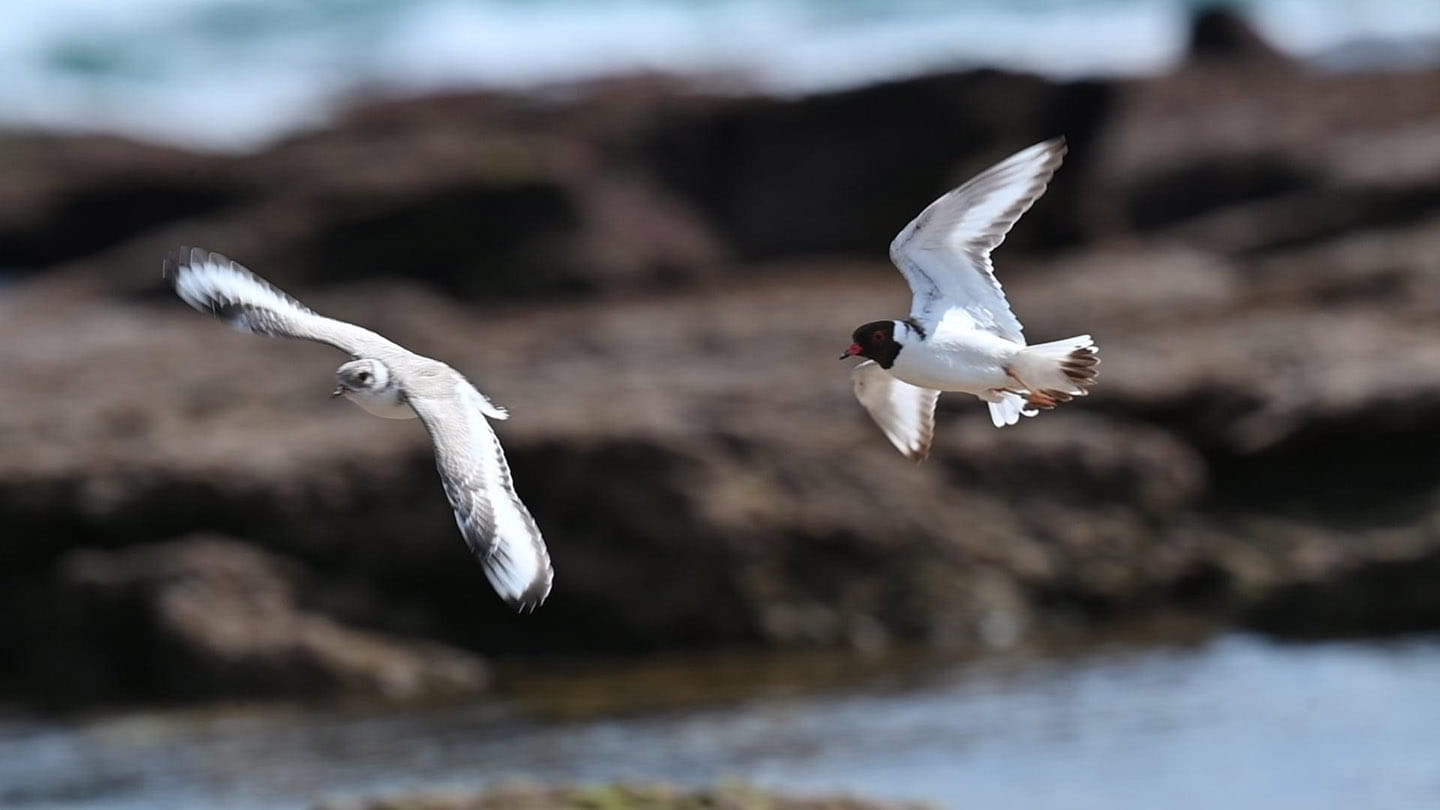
972	361
385	404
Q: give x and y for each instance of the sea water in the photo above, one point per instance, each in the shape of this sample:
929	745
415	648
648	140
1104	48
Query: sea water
1233	722
235	73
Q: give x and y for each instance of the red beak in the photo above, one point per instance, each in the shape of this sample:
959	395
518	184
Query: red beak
855	348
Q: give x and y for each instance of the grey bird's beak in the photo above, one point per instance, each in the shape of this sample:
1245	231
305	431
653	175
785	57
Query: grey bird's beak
339	389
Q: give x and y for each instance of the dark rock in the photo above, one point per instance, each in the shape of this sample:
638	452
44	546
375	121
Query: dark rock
843	172
1224	34
66	198
686	513
1240	160
206	618
1360	599
692	450
1188	191
483	239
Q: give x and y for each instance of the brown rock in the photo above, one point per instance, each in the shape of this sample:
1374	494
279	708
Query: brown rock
206	617
68	197
691	448
1225	35
787	177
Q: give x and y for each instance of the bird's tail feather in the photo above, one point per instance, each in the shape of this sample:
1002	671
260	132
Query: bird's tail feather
1006	408
1058	371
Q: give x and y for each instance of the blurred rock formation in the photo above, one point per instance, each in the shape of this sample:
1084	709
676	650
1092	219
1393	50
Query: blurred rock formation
655	281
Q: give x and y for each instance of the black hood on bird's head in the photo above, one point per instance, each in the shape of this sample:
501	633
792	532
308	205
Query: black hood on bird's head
876	341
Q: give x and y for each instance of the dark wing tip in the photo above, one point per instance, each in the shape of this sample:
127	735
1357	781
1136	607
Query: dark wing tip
171	266
233	294
1054	151
185	255
1059	147
1056	146
920	452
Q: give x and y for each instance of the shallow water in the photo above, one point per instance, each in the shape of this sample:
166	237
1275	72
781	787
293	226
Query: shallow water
1234	722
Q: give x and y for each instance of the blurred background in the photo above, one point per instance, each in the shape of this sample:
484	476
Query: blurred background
648	227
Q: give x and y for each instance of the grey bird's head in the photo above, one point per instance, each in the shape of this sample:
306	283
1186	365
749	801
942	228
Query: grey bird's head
361	377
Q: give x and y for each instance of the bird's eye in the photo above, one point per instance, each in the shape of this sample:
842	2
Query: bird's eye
877	336
363	376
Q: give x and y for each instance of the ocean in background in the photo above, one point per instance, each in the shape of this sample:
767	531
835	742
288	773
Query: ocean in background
232	74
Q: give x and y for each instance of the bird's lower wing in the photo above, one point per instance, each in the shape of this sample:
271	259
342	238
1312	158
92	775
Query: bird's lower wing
904	412
494	522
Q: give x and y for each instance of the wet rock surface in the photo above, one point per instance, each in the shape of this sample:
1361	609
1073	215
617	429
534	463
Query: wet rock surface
656	281
208	617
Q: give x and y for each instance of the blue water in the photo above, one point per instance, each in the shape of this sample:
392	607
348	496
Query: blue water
1236	723
234	73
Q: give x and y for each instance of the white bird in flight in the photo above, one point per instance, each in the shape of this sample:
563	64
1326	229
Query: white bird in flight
961	334
388	380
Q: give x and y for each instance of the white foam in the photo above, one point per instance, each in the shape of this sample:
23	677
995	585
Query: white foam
230	75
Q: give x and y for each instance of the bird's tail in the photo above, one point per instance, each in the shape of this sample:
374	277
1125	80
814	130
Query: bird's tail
1058	371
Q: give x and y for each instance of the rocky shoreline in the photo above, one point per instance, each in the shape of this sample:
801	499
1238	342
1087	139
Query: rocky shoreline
655	280
616	797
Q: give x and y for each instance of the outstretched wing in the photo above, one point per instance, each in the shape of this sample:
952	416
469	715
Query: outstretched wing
212	283
944	253
905	412
496	525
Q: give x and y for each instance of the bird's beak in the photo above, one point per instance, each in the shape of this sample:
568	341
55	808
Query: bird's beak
855	348
339	389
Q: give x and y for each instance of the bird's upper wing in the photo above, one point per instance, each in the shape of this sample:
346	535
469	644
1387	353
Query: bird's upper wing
496	525
212	283
944	252
905	412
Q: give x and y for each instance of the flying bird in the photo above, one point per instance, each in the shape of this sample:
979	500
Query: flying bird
960	334
388	380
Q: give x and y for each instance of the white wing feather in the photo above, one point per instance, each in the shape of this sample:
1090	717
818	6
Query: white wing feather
944	253
494	522
211	283
904	412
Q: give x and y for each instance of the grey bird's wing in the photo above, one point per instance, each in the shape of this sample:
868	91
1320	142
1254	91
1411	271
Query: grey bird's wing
494	522
904	412
496	525
944	253
212	283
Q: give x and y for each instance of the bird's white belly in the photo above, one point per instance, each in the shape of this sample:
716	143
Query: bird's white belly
972	363
384	406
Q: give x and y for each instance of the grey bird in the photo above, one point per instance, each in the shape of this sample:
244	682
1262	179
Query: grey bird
388	380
